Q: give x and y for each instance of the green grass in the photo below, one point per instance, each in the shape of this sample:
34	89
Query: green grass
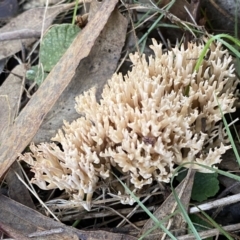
219	38
154	219
75	12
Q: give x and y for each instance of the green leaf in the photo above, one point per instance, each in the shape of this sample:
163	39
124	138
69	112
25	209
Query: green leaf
55	43
36	74
205	185
32	73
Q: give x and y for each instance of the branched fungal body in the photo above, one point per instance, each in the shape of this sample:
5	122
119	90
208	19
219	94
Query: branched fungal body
144	125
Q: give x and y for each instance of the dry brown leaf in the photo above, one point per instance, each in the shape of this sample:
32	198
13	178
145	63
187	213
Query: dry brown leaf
11	232
184	11
176	225
221	14
96	69
180	8
21	219
229	161
31	117
31	20
10	93
16	189
177	8
230	185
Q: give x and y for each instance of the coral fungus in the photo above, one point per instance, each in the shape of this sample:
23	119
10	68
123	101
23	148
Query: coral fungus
161	114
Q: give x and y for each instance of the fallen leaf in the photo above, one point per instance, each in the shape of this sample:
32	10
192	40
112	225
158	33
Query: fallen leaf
222	15
94	70
16	189
31	117
176	224
231	185
10	95
177	8
11	232
229	160
21	219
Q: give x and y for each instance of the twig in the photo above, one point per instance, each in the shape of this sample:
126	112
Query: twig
46	233
20	34
135	208
212	232
220	202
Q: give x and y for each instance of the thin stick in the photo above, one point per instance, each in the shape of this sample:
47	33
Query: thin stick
211	233
20	34
217	203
